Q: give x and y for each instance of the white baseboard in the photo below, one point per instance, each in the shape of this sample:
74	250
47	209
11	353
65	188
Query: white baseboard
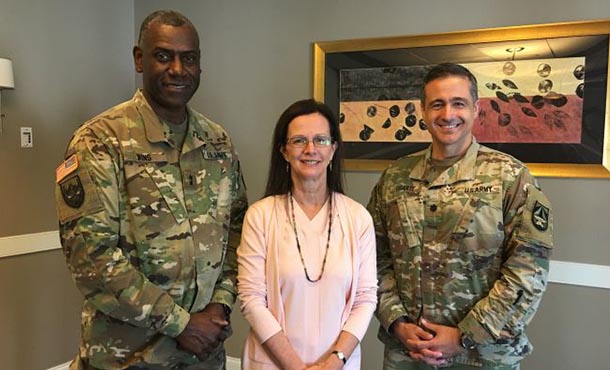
29	243
582	274
61	367
232	364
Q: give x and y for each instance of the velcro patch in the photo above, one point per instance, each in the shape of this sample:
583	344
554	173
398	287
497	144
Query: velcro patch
540	216
150	157
67	167
216	155
73	192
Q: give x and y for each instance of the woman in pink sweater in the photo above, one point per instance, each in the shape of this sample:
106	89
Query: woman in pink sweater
307	271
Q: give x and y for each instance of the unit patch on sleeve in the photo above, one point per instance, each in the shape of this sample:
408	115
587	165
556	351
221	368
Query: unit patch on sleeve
73	192
540	216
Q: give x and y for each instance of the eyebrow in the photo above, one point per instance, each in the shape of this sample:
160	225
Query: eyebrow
315	135
452	100
158	48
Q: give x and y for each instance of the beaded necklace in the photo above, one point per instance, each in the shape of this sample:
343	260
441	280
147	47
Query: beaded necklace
294	227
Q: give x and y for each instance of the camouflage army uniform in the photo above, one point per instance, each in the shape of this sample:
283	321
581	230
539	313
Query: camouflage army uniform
470	250
149	233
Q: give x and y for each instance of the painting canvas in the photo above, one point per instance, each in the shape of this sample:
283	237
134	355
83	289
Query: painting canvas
532	101
542	93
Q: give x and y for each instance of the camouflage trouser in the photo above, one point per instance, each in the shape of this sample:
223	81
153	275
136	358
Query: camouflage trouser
396	359
215	361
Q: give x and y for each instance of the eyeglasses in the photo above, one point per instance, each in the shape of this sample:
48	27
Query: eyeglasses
318	141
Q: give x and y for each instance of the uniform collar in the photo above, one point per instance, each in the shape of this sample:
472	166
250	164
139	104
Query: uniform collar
464	169
156	129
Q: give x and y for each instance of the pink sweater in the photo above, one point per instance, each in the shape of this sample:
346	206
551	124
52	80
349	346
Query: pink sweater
275	294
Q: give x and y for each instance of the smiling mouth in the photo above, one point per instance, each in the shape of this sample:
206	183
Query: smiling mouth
449	125
176	86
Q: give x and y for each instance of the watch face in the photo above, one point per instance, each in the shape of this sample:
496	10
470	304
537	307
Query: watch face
467	342
341	356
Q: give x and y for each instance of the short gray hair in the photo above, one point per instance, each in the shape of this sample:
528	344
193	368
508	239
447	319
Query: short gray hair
168	17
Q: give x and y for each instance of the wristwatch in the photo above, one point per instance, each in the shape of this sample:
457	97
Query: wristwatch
227	310
467	342
341	356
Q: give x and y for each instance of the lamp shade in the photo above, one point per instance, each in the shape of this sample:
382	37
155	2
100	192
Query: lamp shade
7	80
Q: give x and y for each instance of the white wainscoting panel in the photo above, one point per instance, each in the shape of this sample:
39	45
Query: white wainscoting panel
583	274
65	366
233	363
29	243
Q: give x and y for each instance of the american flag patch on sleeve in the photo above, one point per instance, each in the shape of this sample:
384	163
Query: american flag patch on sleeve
67	167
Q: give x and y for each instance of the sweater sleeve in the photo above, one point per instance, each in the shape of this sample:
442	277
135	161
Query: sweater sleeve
366	286
251	275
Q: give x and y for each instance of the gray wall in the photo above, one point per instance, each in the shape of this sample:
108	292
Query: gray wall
73	59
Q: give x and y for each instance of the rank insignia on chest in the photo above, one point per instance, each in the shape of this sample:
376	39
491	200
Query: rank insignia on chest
540	217
400	188
73	192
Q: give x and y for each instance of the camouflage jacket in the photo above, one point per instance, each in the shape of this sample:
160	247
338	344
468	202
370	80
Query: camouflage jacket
469	250
149	233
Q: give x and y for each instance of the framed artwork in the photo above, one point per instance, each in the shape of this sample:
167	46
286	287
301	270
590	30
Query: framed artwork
543	94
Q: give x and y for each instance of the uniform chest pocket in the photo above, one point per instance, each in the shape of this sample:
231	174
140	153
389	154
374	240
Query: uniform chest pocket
479	233
404	224
211	199
214	183
152	195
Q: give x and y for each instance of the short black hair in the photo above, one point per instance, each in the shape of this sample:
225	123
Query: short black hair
279	180
168	17
450	69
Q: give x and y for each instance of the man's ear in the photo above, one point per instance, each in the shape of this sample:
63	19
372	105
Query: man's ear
137	59
476	108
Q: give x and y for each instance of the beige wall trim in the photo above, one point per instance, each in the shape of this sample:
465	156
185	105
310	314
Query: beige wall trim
29	243
562	272
583	274
65	366
232	364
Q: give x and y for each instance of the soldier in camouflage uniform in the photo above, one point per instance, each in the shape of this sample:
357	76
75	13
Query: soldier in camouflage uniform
464	236
151	201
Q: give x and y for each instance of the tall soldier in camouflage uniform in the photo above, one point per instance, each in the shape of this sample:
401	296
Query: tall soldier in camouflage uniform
464	237
151	202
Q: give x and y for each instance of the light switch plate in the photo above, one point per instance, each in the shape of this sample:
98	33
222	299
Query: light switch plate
26	137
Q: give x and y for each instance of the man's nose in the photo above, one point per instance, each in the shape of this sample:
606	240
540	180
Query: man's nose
447	113
176	67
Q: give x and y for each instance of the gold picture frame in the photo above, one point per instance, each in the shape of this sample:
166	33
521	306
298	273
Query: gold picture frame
335	61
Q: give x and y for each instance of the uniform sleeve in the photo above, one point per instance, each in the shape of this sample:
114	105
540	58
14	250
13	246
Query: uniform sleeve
225	290
366	289
252	259
389	304
515	296
89	211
